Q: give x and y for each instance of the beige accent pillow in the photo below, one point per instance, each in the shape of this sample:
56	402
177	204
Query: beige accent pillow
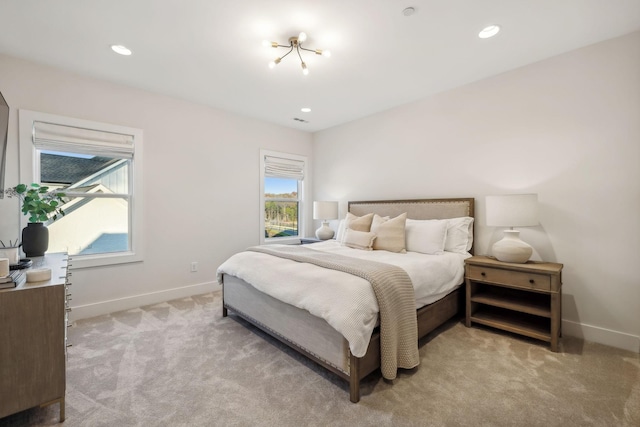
359	223
358	239
389	233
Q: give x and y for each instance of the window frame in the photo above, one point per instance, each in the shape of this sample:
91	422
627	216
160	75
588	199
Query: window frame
30	172
301	197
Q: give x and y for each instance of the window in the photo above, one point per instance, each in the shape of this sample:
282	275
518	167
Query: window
99	167
281	196
281	207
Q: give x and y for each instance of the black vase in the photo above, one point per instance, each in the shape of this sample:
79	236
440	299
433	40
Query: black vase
35	239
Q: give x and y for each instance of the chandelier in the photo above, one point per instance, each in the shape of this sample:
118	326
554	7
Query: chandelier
295	43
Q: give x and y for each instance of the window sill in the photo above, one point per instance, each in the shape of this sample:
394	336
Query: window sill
99	260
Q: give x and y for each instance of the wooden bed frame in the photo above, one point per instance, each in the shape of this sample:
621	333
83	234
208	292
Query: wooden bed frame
429	317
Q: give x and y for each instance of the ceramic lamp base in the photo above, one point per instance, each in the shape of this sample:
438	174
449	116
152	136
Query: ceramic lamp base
324	232
512	249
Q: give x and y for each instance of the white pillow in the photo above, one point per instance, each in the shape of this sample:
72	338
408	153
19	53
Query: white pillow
459	235
426	236
389	233
359	239
342	225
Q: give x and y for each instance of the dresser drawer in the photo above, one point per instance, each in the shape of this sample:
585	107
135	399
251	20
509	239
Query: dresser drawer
511	278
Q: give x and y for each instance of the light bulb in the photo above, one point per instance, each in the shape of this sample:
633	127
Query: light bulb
302	37
275	62
326	53
266	43
305	70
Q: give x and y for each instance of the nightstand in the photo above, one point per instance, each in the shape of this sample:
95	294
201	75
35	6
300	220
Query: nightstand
521	298
307	240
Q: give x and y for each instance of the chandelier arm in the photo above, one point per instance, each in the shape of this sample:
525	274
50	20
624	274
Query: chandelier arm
290	50
308	50
298	50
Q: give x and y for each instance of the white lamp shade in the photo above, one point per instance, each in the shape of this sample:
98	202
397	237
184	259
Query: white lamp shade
325	210
512	210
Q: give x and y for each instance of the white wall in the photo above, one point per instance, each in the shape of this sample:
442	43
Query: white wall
567	128
201	181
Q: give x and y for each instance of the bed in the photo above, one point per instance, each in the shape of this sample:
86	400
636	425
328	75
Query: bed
313	332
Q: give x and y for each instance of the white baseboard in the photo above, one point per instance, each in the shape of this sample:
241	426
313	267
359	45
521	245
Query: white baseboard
586	332
601	335
105	307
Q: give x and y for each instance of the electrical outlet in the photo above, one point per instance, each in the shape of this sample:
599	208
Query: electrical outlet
194	266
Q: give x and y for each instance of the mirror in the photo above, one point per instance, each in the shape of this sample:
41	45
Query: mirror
9	207
4	129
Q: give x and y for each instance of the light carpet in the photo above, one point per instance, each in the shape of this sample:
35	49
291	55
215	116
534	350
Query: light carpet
180	363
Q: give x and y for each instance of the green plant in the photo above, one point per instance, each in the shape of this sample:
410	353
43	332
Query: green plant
38	202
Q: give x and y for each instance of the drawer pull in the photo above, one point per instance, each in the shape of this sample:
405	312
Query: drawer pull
483	274
532	281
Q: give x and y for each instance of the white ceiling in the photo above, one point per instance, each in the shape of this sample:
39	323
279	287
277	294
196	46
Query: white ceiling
210	51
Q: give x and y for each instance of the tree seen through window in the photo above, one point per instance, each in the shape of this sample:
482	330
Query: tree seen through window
281	207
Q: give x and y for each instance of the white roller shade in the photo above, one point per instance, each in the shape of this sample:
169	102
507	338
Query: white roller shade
53	137
277	167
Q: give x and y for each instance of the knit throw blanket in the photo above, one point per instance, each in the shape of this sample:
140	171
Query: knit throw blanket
394	292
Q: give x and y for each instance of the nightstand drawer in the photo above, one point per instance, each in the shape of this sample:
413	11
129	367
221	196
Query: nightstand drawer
511	278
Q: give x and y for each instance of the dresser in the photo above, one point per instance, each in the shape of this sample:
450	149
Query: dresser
33	335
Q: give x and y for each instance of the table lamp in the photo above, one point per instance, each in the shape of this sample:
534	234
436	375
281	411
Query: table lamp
512	210
325	211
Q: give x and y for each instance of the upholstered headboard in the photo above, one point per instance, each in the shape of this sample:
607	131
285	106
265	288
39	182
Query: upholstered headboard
417	209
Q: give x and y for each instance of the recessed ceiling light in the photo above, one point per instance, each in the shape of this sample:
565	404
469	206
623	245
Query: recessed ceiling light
489	31
305	110
122	50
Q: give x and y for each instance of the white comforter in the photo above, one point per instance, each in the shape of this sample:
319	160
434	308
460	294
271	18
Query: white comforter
344	301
